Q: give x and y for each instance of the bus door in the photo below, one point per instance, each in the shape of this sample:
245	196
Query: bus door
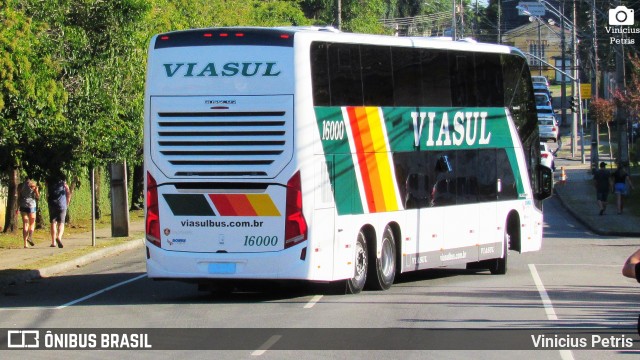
423	221
489	185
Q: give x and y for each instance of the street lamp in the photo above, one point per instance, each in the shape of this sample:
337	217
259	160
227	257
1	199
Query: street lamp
538	49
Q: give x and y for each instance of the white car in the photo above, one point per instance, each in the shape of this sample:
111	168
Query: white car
546	156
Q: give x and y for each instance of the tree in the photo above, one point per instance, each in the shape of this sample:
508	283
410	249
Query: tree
278	13
602	111
363	16
630	99
31	100
357	15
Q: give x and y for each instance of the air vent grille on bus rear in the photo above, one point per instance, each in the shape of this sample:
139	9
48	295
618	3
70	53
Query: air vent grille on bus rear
219	143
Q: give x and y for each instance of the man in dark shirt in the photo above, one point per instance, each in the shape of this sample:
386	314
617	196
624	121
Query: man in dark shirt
602	179
58	200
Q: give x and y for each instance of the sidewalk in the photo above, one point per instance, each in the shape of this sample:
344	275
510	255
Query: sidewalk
18	265
578	196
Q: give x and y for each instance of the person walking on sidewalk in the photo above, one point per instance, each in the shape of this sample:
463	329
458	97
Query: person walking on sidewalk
58	200
621	185
27	197
602	179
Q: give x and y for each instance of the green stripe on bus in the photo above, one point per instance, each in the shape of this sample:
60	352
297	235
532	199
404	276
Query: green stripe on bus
338	153
438	128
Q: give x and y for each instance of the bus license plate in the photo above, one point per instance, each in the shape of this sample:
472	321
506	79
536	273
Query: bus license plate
222	268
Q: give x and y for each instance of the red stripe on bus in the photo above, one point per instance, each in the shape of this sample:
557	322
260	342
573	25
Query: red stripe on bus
362	142
233	204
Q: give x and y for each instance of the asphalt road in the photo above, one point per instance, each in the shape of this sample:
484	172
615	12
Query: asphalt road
573	283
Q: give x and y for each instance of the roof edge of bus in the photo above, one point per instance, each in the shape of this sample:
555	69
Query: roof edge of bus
309	28
236	28
462	43
516	51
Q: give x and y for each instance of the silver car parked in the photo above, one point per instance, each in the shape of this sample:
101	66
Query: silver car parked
547	127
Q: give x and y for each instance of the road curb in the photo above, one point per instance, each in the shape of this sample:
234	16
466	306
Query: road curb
69	265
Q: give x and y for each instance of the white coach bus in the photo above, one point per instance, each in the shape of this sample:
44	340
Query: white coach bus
293	153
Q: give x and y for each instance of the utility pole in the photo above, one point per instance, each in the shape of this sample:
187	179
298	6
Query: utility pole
339	14
595	143
539	47
577	118
574	92
499	22
621	113
563	86
453	20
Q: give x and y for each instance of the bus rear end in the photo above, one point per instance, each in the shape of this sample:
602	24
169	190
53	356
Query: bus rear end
223	197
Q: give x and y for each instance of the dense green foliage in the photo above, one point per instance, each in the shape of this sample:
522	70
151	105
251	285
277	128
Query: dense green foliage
31	96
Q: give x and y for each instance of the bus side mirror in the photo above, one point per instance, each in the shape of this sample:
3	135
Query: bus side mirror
545	182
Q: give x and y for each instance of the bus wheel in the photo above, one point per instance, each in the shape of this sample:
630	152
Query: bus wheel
356	283
499	267
385	266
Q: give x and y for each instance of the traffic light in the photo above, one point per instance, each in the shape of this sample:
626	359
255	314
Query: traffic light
575	104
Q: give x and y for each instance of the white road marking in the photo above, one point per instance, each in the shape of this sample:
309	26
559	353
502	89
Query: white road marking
584	265
267	345
548	307
101	291
546	301
313	301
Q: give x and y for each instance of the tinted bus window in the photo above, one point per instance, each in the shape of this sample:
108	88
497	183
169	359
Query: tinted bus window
377	78
489	81
487	175
320	74
463	89
407	75
517	95
436	83
345	81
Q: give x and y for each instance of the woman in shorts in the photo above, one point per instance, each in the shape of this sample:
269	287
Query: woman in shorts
27	199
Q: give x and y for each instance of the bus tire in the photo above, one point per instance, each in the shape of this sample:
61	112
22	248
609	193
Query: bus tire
499	266
384	267
357	282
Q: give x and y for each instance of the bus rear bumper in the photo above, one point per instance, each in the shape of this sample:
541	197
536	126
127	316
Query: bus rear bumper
285	264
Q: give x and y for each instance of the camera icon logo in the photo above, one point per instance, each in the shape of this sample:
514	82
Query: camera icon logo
621	16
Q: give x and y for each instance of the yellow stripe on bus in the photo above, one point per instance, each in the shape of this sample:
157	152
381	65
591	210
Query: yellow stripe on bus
263	205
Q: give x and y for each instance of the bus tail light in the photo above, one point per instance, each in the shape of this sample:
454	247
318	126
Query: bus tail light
295	228
152	224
